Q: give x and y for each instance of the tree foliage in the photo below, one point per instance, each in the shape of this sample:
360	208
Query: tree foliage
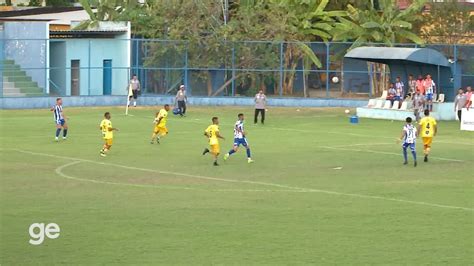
449	22
208	42
388	26
106	10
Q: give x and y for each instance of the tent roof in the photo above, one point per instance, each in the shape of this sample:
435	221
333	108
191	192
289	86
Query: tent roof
388	55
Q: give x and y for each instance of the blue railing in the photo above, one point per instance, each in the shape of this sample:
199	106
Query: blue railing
233	69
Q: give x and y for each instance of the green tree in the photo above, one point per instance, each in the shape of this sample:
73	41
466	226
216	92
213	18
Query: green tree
448	22
58	3
309	21
389	25
34	3
106	10
198	27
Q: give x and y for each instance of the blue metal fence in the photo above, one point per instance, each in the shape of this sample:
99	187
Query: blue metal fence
208	69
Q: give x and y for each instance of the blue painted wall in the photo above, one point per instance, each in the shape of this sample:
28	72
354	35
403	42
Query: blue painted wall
57	72
45	102
100	50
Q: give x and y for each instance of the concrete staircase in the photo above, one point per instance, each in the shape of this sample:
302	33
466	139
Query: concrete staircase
16	83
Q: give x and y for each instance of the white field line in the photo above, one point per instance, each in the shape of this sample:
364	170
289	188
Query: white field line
383	152
98	135
296	189
60	172
363	144
340	133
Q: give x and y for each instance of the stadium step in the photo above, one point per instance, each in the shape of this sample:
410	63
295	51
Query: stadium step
16	82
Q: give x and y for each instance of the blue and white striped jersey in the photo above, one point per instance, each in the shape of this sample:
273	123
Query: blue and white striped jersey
410	133
429	86
239	129
58	112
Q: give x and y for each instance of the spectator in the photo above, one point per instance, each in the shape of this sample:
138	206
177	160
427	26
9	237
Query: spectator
460	102
260	105
399	86
468	97
134	86
411	86
418	104
391	93
419	85
430	90
181	98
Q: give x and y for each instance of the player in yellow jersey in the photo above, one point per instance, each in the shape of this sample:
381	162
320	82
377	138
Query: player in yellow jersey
427	128
212	132
107	134
160	124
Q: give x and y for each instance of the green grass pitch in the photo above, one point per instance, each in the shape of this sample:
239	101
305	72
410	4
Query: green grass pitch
321	191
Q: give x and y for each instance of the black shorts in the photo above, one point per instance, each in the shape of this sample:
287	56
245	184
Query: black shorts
135	94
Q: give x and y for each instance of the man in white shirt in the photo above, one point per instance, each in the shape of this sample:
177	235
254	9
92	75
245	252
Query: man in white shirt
133	90
260	105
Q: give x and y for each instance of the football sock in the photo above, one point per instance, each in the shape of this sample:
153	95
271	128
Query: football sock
405	154
58	130
65	132
414	155
231	152
248	153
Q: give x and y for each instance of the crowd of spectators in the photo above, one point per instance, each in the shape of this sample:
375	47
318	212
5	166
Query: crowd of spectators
421	92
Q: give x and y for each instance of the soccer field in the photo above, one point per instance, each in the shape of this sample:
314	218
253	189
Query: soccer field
321	191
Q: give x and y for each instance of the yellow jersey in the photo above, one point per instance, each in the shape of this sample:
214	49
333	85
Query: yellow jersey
105	127
163	114
212	131
427	127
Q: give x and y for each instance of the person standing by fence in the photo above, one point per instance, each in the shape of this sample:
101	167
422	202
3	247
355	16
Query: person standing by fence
133	90
430	91
459	102
181	99
260	105
411	86
418	105
468	97
400	87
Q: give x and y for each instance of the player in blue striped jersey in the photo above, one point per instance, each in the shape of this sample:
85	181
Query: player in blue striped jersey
408	137
59	119
239	139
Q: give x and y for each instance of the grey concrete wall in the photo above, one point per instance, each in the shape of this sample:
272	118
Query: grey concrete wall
45	102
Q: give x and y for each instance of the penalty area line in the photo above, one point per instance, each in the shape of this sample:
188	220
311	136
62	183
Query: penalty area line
292	188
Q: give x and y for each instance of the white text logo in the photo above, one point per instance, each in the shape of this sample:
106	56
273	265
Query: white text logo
39	230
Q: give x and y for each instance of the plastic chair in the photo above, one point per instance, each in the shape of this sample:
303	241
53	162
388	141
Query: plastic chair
441	98
404	106
396	104
387	105
379	104
371	103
